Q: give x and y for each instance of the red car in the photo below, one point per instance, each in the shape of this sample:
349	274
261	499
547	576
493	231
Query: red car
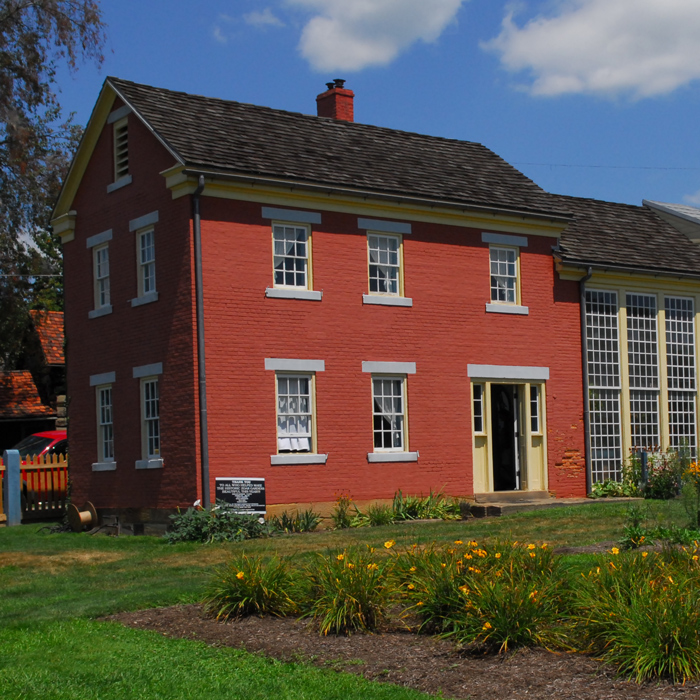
50	442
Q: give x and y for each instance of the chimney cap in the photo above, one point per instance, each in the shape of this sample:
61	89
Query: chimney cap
339	82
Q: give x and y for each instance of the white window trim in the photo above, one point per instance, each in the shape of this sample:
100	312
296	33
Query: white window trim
493	305
387	298
100	309
312	456
149	461
295	289
404	450
523	374
103	464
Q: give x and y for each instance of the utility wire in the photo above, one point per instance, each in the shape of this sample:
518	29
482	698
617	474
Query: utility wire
609	167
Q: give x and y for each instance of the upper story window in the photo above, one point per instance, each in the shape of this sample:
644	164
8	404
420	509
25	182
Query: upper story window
291	256
121	149
384	252
147	262
504	274
101	275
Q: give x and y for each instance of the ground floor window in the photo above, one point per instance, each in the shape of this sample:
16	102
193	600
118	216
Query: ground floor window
105	442
151	417
389	413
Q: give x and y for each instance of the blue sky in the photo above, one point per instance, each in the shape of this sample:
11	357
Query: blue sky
593	98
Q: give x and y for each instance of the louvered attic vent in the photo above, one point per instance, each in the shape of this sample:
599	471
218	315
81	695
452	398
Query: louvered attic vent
121	150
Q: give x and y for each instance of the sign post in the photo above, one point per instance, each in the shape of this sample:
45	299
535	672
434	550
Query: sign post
246	496
12	488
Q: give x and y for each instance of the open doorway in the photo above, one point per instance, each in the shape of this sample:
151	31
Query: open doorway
505	443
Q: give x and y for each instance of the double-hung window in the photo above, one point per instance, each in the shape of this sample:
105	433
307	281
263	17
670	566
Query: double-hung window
504	274
295	413
147	262
384	252
389	414
291	256
105	425
101	276
150	397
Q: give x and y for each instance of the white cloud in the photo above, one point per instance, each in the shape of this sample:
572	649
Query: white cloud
693	199
640	48
218	31
351	35
263	19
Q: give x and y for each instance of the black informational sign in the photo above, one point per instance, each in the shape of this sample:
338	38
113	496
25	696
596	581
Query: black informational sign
245	495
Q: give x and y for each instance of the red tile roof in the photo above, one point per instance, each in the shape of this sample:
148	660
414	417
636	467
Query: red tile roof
19	397
49	327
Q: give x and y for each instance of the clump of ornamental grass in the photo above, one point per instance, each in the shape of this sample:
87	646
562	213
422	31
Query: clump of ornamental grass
431	507
348	591
493	599
250	586
641	613
305	521
376	514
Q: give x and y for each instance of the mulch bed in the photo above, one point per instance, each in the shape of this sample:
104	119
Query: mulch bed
415	661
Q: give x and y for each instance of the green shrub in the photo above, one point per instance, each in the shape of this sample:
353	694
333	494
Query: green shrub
641	612
497	599
347	591
664	471
306	521
613	489
249	586
220	524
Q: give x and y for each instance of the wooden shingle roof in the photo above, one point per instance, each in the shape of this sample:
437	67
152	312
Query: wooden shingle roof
625	236
236	138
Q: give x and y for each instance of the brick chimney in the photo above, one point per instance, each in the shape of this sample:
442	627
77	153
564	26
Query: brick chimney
336	102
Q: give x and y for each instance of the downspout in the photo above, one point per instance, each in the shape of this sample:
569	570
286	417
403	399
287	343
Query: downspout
584	363
201	363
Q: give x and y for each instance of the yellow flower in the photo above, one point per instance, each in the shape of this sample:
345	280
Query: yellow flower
695	557
615	551
340	557
498	574
443	565
412	569
240	575
544	545
458	542
533	555
531	546
372	567
464	590
474	569
350	565
420	602
389	544
473	543
410	586
487	626
670	579
646	554
497	555
467	556
532	595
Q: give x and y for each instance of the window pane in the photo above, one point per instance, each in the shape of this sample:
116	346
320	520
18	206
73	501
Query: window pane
384	264
388	415
294	418
290	256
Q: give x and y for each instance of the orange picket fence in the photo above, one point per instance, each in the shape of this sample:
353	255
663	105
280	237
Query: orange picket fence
44	487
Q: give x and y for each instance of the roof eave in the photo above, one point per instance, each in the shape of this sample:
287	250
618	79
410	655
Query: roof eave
609	267
325	188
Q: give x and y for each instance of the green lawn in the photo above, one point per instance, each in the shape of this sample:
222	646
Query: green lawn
55	585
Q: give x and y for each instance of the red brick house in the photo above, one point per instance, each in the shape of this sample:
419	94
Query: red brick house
378	310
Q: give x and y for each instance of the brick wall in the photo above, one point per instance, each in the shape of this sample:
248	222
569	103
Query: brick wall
130	337
446	274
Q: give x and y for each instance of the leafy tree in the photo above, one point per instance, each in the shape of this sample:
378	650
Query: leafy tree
36	146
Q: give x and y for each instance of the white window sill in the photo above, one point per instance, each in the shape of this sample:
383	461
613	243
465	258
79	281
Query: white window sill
297	458
121	182
104	466
387	300
145	299
102	311
149	464
507	309
308	294
392	456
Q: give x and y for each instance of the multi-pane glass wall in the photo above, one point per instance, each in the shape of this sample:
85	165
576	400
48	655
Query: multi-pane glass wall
649	401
